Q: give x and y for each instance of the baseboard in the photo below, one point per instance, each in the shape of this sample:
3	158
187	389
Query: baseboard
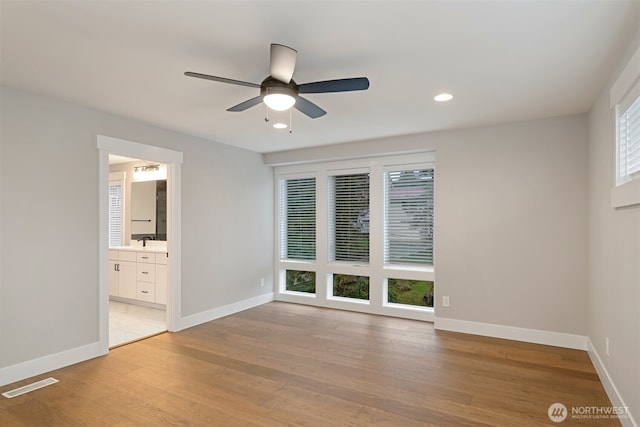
536	336
225	310
38	366
609	386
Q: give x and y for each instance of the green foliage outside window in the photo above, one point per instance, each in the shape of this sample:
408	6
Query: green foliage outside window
301	281
350	286
410	292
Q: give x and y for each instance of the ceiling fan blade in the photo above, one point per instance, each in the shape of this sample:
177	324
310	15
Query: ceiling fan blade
283	62
309	108
221	79
340	85
246	104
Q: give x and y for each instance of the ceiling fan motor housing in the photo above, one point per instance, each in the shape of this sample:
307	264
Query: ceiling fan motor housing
270	86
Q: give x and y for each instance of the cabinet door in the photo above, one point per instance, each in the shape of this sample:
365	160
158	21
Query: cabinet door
113	278
127	279
161	284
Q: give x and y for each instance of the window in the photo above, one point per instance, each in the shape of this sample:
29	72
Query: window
624	97
628	140
410	292
349	218
298	222
358	235
301	281
348	286
116	209
409	217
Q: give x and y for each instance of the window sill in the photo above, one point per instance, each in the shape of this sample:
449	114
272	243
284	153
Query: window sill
350	300
416	308
625	195
408	267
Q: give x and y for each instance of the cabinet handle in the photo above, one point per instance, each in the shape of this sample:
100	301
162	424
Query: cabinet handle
145	257
145	292
145	272
116	267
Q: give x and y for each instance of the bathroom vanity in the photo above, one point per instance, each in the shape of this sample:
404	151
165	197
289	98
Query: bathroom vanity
138	274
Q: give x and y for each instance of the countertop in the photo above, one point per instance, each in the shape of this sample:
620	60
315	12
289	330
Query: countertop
135	248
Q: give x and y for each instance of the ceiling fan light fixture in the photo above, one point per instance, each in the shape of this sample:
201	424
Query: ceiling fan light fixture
280	125
279	101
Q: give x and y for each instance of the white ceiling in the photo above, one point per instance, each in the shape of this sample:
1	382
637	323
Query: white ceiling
503	60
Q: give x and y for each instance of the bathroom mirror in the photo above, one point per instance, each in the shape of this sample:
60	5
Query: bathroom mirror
149	210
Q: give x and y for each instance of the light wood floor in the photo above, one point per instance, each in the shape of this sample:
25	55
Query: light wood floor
287	364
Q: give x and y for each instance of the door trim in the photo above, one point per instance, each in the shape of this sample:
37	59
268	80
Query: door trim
108	145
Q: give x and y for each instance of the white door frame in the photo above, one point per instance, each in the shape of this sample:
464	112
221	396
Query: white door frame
107	145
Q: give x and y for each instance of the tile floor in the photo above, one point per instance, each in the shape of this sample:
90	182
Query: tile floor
129	322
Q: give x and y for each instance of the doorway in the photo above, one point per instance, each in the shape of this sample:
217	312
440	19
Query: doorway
166	259
137	249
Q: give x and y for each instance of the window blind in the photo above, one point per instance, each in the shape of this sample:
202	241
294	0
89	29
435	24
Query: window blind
349	217
409	213
298	219
115	213
629	141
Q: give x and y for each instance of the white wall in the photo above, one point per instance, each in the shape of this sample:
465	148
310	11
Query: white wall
510	219
614	260
49	222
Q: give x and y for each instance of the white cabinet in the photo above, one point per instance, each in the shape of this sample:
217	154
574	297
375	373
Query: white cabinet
138	275
161	278
146	278
127	280
122	274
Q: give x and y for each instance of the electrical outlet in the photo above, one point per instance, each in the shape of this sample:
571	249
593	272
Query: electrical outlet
262	281
606	345
445	301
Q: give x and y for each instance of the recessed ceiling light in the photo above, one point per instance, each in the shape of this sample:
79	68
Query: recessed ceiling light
443	97
279	125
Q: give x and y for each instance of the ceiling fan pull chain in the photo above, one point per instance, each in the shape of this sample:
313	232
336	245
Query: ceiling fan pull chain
266	113
290	122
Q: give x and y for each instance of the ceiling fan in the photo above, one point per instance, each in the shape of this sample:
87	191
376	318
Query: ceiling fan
280	92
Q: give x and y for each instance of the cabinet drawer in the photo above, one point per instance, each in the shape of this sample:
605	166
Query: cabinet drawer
146	272
146	291
113	255
161	258
126	256
148	257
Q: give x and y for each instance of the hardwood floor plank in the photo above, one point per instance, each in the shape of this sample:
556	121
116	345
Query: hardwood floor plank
283	364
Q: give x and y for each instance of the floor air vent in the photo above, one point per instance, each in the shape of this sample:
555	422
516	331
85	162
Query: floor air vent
30	387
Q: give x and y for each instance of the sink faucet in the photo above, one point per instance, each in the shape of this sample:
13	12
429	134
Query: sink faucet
144	240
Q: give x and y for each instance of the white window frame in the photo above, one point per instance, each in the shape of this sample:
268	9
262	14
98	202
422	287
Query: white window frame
285	264
626	89
402	168
376	270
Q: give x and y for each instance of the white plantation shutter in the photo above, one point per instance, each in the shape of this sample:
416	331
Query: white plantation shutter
115	213
408	232
349	217
629	141
298	219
